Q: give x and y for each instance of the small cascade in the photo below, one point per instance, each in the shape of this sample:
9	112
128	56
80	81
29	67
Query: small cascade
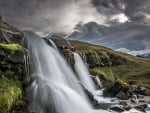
98	82
83	73
87	82
55	89
84	58
53	44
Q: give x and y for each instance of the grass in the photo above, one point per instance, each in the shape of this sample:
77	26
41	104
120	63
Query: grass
10	91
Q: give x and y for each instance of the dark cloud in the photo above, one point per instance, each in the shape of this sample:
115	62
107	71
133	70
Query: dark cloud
135	10
48	15
62	15
33	14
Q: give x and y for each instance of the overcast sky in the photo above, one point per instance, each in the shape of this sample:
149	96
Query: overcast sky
46	16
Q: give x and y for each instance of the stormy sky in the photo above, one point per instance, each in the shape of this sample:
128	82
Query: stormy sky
46	16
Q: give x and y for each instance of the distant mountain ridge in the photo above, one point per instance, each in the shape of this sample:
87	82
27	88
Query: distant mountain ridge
129	35
144	55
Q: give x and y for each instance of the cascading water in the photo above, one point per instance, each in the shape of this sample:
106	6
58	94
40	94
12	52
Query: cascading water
83	73
55	88
53	44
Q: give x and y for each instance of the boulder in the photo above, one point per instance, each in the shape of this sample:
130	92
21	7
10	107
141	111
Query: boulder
60	41
118	108
119	88
141	107
113	90
123	96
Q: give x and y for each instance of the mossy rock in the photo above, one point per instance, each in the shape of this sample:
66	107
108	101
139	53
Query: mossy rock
12	64
11	47
10	91
124	84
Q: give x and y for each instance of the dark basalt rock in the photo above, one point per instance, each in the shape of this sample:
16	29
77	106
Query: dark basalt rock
117	108
113	90
123	96
60	41
119	89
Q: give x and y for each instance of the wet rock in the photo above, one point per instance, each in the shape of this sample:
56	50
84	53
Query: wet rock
60	41
117	108
147	110
143	101
121	95
140	96
139	90
113	90
141	107
68	55
134	101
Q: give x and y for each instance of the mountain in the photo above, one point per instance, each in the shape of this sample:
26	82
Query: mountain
144	55
129	35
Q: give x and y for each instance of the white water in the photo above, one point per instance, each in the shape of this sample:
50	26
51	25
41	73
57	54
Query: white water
55	89
53	44
83	73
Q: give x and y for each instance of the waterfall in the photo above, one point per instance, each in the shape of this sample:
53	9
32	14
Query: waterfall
55	89
83	73
52	43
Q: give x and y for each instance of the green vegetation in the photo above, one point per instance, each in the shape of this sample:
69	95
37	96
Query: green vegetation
128	68
11	47
10	91
105	74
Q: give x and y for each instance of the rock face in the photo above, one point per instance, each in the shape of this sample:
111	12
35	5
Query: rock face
101	59
64	47
12	69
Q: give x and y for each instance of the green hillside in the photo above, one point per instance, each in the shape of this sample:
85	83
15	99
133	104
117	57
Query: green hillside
118	64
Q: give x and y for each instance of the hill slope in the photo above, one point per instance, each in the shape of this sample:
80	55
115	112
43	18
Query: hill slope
109	64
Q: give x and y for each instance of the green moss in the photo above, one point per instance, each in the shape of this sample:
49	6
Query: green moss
10	91
11	47
103	74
